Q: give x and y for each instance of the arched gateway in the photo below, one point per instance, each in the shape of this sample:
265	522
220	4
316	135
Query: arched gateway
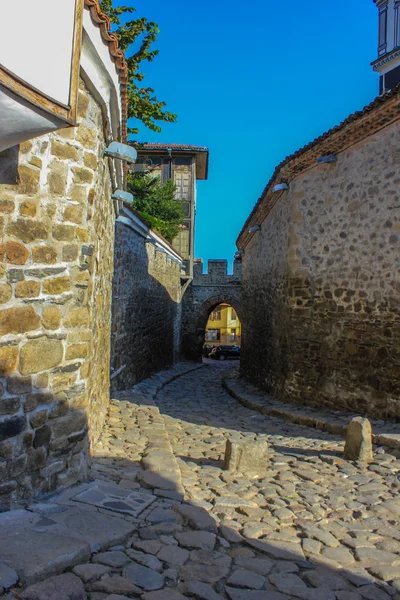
205	293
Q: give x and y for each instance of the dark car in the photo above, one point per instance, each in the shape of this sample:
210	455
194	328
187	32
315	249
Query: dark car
224	352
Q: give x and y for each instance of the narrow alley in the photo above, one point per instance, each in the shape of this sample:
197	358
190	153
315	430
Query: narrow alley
311	526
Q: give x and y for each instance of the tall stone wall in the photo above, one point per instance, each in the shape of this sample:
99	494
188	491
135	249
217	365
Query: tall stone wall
204	293
56	256
146	314
322	287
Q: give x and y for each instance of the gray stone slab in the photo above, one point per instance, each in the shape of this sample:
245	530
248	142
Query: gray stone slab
115	559
197	518
91	572
115	498
36	554
97	529
8	576
145	578
116	585
236	594
62	587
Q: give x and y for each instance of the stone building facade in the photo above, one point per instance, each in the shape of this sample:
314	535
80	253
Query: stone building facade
204	293
56	264
146	312
320	272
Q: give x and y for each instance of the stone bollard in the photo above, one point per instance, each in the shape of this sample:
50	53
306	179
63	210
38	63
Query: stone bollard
358	445
248	457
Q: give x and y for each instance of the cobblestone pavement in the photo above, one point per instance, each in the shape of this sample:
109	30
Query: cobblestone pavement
312	526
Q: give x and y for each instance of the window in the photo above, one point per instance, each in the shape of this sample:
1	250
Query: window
186	209
213	335
233	335
382	29
182	183
397	24
233	315
181	161
181	243
216	314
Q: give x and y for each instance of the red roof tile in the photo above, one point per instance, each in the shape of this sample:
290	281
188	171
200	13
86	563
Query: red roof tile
159	146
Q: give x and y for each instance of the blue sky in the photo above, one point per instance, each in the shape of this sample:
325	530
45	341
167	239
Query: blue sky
253	82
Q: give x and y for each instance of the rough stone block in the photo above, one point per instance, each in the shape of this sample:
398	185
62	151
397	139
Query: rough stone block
5	292
77	351
77	317
11	427
28	230
358	445
82	175
9	406
28	208
44	254
8	359
87	136
19	385
39	355
51	317
27	289
246	457
42	437
64	151
58	285
63	233
13	252
73	422
18	320
7	206
70	252
73	213
61	587
57	178
29	180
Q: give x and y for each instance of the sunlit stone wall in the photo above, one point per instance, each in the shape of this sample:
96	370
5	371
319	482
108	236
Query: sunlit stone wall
322	287
56	254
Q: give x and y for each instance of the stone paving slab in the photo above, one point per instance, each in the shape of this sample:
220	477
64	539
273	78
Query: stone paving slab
115	498
311	525
36	555
384	433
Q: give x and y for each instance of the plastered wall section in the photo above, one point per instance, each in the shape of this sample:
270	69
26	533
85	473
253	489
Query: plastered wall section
56	253
322	285
146	313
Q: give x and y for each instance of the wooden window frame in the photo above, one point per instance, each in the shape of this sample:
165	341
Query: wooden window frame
382	45
25	90
397	23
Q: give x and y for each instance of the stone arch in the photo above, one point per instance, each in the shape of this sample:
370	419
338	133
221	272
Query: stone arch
196	325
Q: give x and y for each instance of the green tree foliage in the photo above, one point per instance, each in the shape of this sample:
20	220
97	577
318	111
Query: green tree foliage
136	38
155	201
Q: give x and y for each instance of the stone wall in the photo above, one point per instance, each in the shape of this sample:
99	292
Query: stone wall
203	294
146	313
56	255
322	291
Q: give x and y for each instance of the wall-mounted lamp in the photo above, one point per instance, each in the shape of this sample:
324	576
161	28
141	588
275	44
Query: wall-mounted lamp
329	158
121	151
239	253
122	195
280	186
254	229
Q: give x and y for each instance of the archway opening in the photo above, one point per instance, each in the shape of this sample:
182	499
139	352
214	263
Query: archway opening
222	333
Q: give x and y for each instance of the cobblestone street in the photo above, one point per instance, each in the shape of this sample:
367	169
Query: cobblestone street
312	526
